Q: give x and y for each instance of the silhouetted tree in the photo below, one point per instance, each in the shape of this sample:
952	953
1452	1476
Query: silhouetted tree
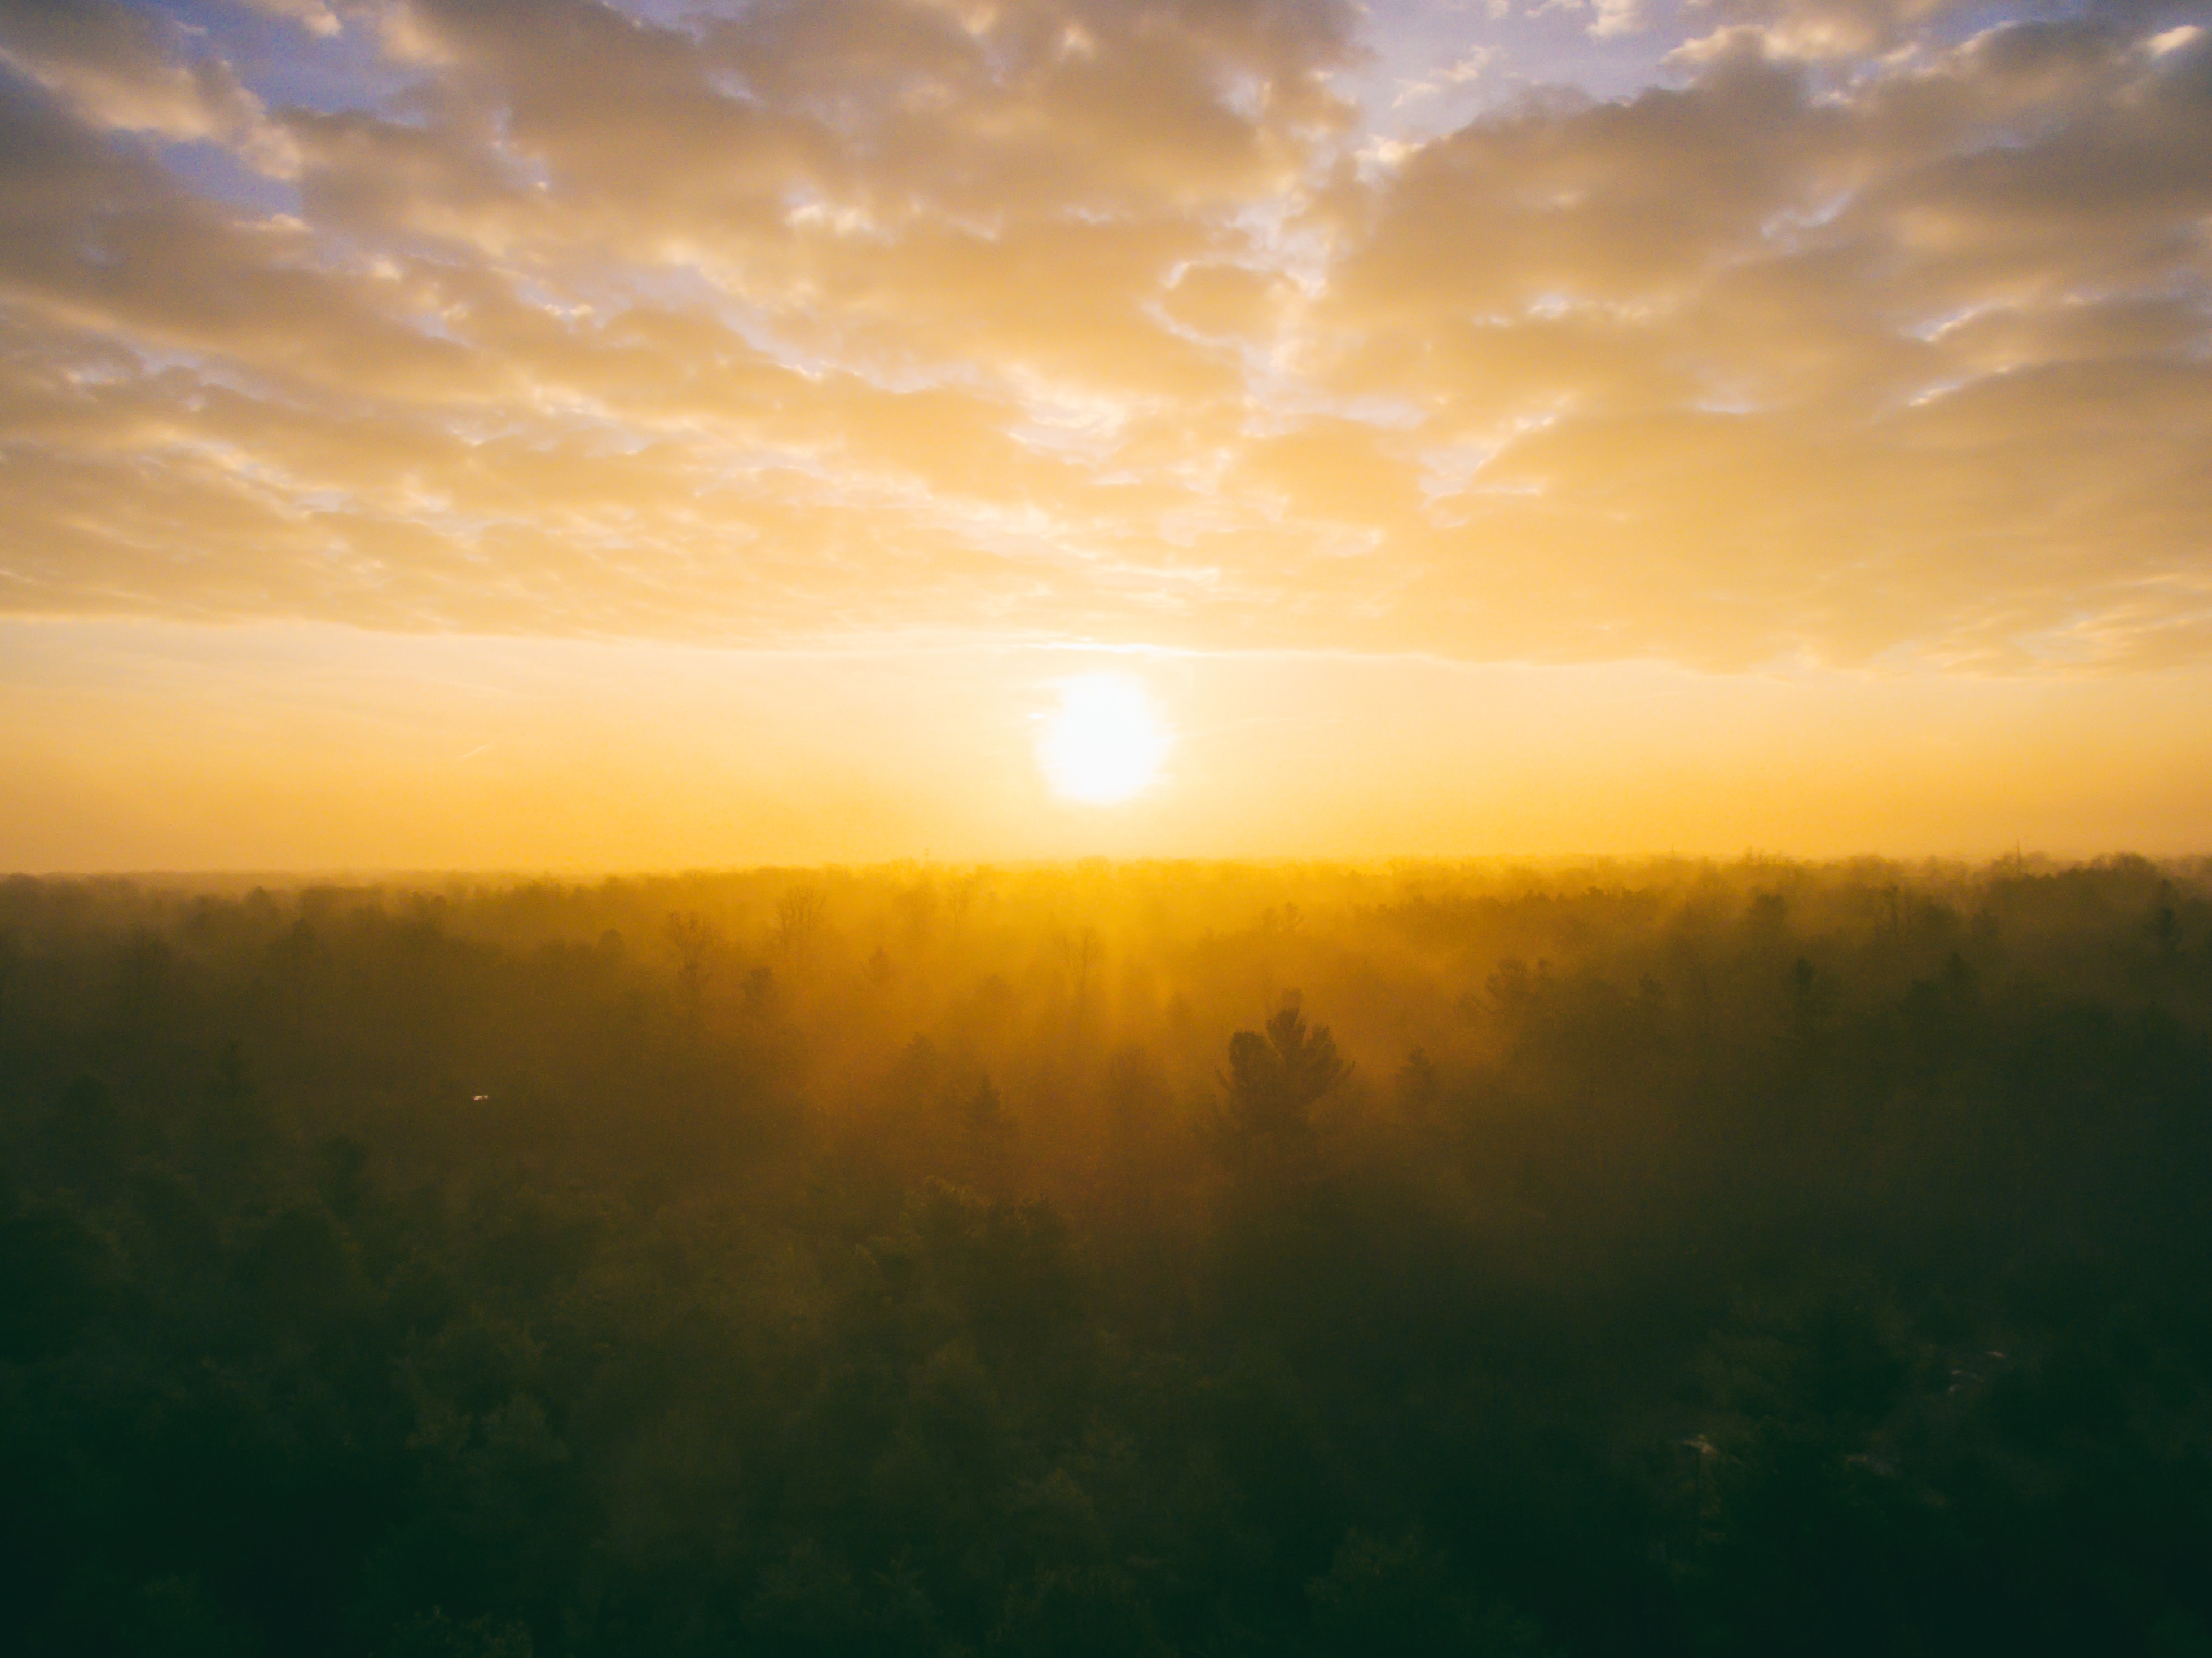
1277	1076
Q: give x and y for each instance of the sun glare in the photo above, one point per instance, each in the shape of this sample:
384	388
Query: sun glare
1105	742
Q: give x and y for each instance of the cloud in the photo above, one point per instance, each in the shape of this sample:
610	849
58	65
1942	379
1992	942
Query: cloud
1463	71
1820	29
1617	17
312	16
1064	318
113	66
1608	18
1924	364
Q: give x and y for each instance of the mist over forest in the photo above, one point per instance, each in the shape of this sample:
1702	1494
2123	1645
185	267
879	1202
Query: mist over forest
1668	1258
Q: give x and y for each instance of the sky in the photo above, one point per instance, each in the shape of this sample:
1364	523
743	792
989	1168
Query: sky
557	435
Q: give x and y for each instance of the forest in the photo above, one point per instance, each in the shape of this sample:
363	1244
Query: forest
1651	1258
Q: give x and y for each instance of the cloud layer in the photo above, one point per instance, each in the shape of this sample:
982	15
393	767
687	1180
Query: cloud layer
1857	335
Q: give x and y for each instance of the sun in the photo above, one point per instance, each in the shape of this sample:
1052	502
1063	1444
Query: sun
1105	742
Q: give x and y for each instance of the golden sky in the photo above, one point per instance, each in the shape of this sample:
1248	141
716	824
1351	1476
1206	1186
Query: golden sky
543	432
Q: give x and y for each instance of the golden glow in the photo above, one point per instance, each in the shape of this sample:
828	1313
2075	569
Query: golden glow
531	451
1105	743
139	745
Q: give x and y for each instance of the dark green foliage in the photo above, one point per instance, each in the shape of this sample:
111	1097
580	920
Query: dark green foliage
1404	1598
1728	1261
55	1269
433	1635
